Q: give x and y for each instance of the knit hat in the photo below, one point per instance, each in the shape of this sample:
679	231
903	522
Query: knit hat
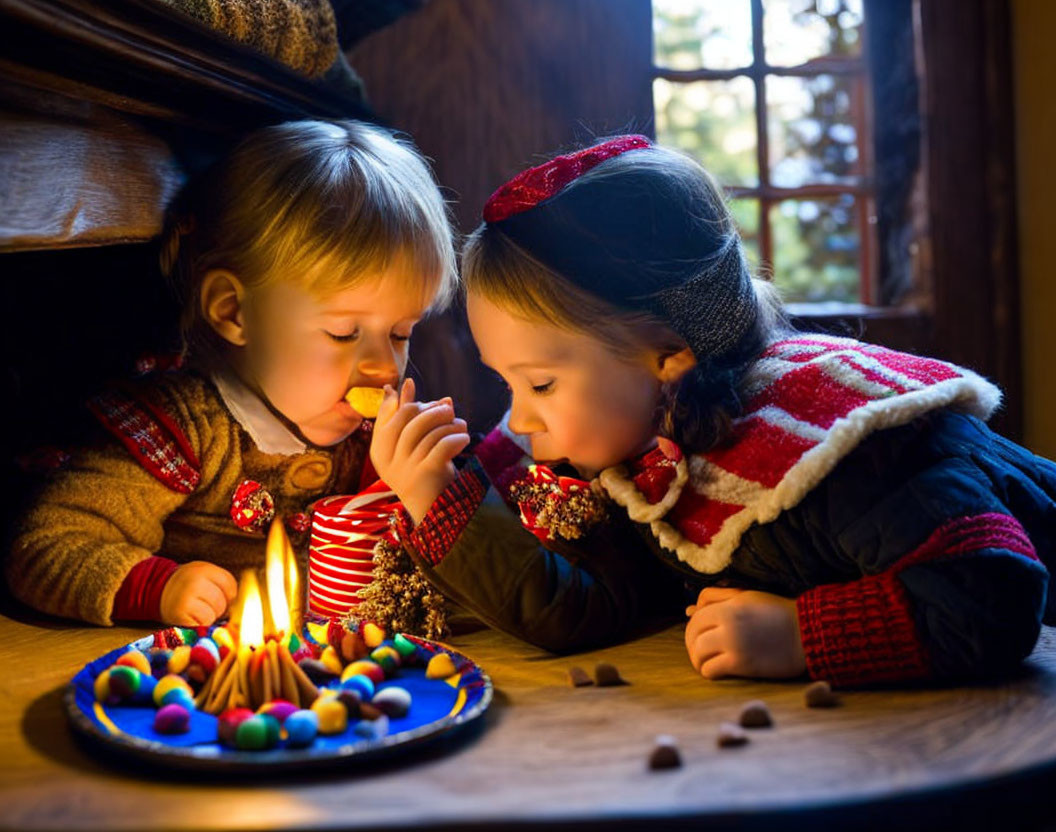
640	239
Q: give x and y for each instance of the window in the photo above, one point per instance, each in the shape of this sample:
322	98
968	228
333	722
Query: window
773	97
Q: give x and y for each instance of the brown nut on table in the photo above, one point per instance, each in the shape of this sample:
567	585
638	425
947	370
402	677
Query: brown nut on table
820	695
731	735
579	677
606	675
665	753
755	714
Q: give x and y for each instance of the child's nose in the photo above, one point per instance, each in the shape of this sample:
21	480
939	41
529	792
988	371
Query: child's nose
522	420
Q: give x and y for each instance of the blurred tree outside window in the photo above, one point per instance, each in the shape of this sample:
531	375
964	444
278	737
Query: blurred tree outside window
773	98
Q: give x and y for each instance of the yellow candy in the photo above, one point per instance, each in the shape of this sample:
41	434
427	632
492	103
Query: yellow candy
373	635
364	667
134	658
365	400
179	659
102	686
331	661
440	667
167	683
222	637
333	716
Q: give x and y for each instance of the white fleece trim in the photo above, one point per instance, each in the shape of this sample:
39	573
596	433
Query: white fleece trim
269	434
623	490
970	393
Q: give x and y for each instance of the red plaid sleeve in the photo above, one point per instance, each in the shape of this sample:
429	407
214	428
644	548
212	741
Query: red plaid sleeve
448	516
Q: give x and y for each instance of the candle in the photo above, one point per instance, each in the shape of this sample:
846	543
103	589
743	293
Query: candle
260	667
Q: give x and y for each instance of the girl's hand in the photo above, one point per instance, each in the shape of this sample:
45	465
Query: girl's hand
413	446
197	594
735	632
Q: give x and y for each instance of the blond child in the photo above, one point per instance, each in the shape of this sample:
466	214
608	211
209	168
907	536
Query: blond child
304	258
836	508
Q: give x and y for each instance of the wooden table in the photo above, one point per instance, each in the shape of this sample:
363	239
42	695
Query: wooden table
548	752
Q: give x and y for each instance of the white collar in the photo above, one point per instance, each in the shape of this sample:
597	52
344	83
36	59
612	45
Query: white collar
268	433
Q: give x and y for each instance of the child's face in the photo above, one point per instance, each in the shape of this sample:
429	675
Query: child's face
575	399
304	352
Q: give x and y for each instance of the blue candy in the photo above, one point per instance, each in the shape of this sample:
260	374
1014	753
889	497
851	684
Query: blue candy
178	696
362	685
301	728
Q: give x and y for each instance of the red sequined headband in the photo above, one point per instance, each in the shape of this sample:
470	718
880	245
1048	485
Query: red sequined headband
530	187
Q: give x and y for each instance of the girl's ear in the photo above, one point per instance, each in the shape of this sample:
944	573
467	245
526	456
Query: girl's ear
672	366
221	298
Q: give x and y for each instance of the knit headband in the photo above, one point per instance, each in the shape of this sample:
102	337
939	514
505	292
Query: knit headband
637	247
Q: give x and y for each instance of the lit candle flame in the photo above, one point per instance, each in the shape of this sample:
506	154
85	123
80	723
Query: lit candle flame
293	589
275	573
251	629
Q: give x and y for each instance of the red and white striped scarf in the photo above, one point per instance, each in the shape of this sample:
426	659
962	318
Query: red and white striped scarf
810	401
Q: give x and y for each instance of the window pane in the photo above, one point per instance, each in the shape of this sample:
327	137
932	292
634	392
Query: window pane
811	122
746	215
797	31
696	34
714	121
816	244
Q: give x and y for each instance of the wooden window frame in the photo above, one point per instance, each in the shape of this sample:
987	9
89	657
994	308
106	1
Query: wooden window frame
767	194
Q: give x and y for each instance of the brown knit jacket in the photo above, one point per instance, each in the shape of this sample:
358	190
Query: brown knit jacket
105	513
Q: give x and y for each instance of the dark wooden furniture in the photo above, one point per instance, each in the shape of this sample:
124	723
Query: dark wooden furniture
973	757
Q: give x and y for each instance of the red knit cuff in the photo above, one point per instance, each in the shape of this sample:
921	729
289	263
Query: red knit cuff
448	516
139	598
861	632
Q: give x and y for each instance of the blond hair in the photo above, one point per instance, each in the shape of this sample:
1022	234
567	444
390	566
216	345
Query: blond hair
321	203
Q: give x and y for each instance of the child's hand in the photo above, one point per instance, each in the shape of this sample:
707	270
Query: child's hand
735	632
197	594
413	447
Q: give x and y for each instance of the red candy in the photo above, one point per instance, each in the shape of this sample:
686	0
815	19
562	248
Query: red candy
227	724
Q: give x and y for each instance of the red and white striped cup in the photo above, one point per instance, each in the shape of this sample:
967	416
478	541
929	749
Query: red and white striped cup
341	549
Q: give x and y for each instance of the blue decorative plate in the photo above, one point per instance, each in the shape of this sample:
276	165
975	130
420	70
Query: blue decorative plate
439	707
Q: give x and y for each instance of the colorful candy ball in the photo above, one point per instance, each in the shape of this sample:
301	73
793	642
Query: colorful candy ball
301	728
144	694
159	662
404	646
257	733
333	717
319	673
362	685
373	635
178	696
168	683
227	724
387	658
331	661
392	701
365	667
179	659
172	719
134	659
352	702
124	681
201	663
440	667
278	708
102	689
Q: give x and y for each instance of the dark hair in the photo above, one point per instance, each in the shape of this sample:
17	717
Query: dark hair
697	411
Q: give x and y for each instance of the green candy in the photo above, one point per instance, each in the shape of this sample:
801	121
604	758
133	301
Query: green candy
404	646
189	636
295	643
257	733
124	681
